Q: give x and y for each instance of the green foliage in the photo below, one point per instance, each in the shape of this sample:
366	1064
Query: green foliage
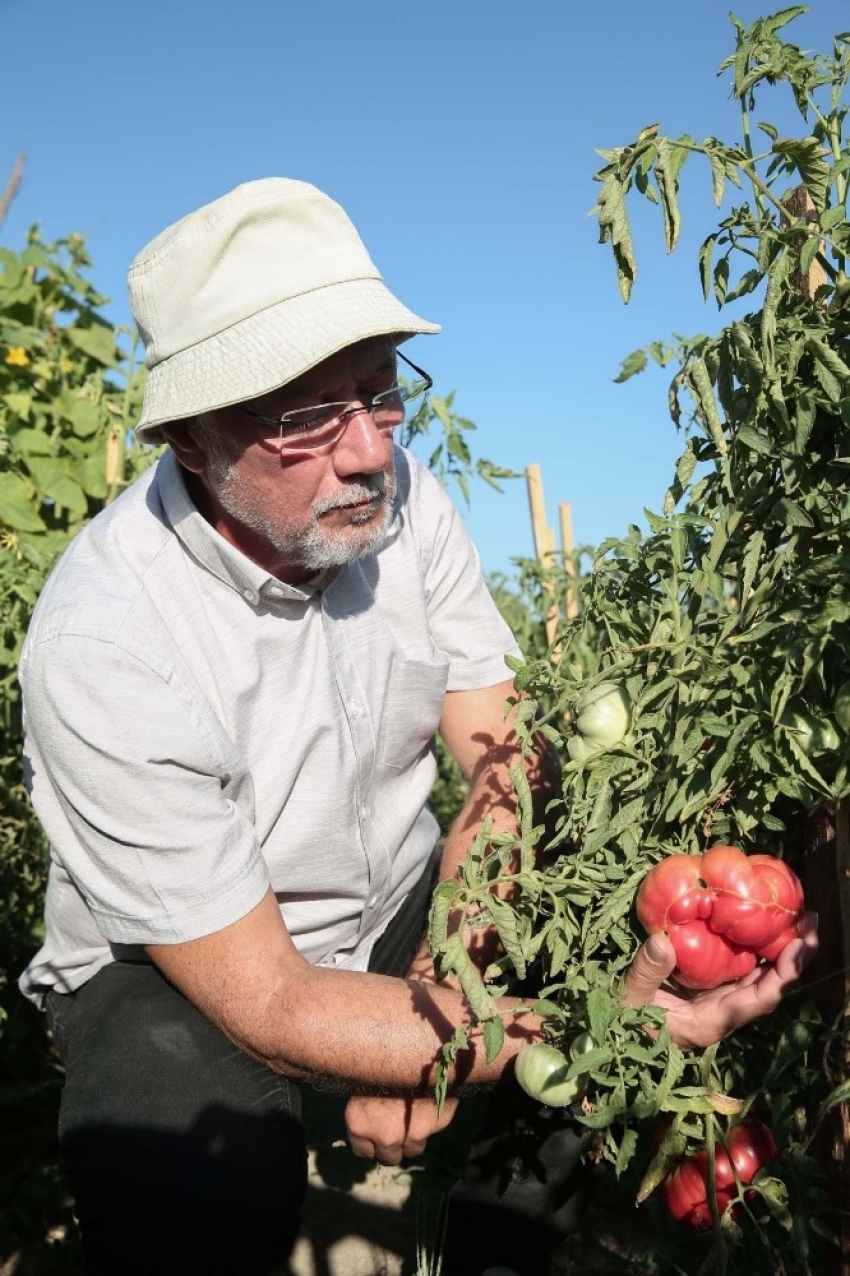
524	601
67	401
68	396
451	459
735	603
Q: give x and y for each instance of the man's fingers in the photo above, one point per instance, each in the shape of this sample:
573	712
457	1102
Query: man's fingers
390	1129
795	956
652	965
363	1147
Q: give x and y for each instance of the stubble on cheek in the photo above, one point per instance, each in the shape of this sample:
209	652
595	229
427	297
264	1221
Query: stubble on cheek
310	543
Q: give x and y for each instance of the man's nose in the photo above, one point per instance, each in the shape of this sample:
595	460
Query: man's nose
362	448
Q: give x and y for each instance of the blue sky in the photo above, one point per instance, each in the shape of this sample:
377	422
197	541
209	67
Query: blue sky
459	136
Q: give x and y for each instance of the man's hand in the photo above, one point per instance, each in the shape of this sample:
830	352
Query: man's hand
697	1020
389	1129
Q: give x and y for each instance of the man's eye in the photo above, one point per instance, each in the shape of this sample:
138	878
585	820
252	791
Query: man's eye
308	419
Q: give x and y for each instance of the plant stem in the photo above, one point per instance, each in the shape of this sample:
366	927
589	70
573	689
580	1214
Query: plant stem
748	148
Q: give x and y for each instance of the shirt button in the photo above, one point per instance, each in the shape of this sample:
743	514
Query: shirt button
355	710
250	595
373	901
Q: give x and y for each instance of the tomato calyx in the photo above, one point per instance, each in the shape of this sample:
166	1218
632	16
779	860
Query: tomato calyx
723	911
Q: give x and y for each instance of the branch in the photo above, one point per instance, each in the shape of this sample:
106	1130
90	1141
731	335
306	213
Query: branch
12	187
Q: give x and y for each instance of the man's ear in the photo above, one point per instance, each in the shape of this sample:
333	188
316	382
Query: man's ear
188	443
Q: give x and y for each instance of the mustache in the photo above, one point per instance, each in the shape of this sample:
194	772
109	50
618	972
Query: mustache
355	494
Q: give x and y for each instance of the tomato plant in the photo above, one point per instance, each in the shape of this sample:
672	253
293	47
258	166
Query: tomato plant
730	607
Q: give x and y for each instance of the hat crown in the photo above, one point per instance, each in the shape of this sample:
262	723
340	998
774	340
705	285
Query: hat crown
266	242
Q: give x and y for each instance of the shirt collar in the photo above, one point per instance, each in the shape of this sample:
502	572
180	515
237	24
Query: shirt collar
213	552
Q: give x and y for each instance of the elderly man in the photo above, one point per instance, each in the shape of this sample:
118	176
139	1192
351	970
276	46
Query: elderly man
232	684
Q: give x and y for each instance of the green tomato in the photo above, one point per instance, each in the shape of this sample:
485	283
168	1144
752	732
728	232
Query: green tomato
604	715
828	738
812	734
841	708
580	750
582	1044
541	1070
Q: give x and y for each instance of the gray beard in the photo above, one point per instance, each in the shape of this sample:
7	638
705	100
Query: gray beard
310	546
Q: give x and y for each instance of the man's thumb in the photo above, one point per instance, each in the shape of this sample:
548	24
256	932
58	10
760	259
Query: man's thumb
653	963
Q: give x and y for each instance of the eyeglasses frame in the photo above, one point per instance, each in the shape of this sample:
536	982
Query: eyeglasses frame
345	416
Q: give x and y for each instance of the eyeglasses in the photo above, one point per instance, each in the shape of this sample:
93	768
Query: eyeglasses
320	428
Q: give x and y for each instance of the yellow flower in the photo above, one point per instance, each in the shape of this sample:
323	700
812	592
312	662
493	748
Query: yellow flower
17	356
66	365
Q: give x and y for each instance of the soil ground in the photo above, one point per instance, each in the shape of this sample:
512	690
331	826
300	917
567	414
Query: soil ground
369	1220
359	1219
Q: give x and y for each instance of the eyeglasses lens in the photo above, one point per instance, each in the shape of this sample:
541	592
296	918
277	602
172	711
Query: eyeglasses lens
315	428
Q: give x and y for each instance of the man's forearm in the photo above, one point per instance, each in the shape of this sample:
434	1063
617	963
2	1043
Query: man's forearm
385	1035
370	1032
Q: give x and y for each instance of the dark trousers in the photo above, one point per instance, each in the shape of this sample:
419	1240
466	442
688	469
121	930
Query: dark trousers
187	1158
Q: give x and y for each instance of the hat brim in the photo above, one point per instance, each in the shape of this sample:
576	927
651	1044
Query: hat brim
270	349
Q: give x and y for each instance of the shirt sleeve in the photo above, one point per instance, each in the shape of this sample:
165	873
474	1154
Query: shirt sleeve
132	783
465	622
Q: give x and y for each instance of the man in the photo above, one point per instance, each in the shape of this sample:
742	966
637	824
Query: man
232	683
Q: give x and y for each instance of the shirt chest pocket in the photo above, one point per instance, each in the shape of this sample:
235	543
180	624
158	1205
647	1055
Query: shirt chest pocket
416	693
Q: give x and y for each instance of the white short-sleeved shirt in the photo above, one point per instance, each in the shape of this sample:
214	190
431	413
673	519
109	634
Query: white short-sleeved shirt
196	730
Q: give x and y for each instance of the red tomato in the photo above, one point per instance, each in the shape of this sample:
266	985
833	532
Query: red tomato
673	893
722	911
705	959
755	897
685	1190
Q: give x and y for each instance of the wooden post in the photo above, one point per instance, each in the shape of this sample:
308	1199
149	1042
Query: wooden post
570	599
114	460
544	538
801	204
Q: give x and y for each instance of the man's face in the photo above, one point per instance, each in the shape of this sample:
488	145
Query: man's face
297	514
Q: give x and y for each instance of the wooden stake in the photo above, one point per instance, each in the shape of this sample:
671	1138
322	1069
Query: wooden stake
537	506
114	460
570	599
544	539
801	204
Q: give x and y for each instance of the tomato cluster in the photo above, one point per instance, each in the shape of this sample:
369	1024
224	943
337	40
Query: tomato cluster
722	911
685	1190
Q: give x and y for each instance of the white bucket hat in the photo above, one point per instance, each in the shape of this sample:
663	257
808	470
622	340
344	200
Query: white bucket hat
249	292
